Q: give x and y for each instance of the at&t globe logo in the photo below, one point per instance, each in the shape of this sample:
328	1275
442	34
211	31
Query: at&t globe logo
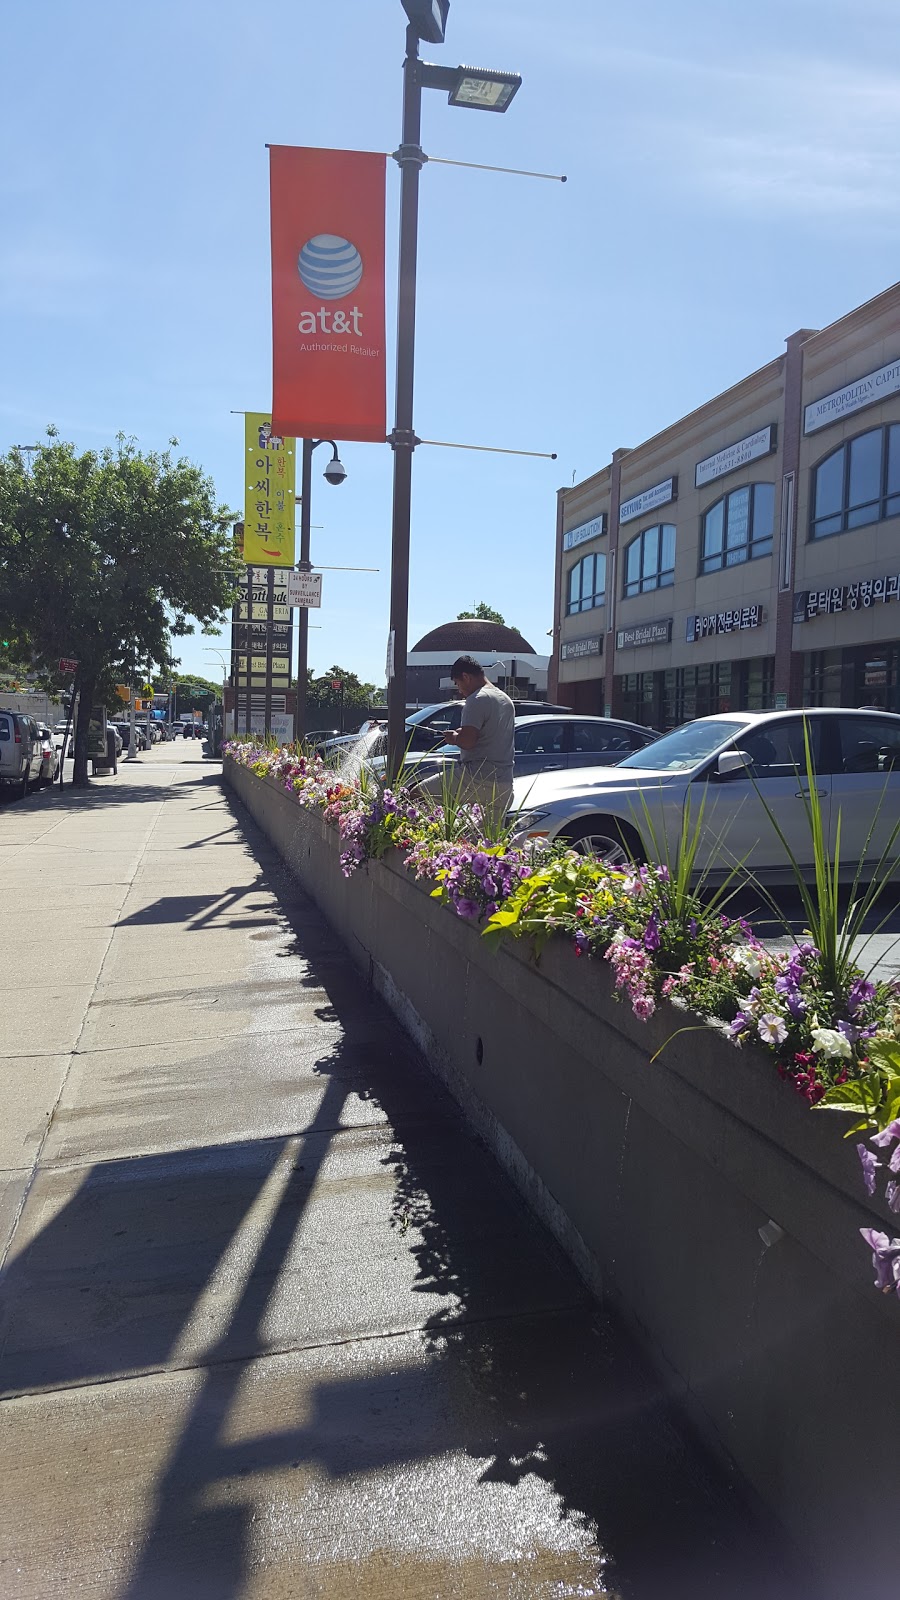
330	268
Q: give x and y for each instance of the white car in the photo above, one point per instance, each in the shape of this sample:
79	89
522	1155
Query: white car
737	764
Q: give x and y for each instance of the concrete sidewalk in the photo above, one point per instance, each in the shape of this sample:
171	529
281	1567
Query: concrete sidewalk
274	1324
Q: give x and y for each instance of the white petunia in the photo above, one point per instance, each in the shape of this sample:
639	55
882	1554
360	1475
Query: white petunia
743	955
829	1042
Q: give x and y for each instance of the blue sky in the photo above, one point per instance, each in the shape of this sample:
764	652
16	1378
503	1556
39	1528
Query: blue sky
733	174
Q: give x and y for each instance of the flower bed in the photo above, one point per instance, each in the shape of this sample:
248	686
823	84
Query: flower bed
836	1043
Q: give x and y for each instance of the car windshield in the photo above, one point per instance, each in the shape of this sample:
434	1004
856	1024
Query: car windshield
450	710
678	751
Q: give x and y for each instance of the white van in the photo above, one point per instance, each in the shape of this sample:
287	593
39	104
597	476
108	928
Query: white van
21	751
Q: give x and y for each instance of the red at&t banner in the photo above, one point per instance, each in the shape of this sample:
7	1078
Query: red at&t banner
328	360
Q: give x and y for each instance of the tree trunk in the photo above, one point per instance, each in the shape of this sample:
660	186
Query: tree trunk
85	704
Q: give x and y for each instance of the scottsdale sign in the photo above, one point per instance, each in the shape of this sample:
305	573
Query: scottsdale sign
328	358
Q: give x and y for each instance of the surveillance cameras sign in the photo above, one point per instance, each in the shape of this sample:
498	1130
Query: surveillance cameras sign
328	356
305	589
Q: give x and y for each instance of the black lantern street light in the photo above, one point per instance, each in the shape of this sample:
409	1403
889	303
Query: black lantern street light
334	473
479	90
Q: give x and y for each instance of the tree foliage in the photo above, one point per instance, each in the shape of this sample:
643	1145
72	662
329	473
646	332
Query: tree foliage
323	702
482	613
103	557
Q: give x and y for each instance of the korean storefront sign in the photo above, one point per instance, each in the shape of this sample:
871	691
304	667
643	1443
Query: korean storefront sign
809	603
575	649
328	356
761	443
269	498
854	396
658	632
724	622
639	504
585	531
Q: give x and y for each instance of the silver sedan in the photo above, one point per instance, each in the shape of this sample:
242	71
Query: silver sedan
739	767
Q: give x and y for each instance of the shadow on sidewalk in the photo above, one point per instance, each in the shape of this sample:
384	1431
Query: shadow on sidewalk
495	1356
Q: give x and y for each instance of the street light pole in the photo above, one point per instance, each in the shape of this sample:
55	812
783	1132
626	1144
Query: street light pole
481	90
410	158
334	474
303	614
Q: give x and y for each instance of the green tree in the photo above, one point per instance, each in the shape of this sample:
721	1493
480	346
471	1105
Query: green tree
103	557
323	701
482	613
194	692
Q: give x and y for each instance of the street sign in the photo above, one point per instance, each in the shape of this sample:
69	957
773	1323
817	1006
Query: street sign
123	691
67	666
304	589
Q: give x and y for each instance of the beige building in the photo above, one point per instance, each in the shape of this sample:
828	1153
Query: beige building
748	557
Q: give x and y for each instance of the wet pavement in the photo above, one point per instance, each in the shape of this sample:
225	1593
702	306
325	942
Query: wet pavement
274	1324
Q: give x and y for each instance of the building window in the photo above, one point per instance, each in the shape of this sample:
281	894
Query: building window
650	560
738	527
587	584
857	483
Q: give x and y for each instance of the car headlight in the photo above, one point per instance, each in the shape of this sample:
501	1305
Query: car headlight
529	822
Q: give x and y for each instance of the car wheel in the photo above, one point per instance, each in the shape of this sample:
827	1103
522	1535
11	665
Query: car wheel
607	840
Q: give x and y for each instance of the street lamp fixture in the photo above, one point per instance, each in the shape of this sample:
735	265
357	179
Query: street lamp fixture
475	89
428	18
482	90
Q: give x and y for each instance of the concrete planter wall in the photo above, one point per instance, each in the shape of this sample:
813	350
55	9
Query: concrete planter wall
657	1179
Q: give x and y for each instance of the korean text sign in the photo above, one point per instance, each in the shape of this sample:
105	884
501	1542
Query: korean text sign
328	357
269	504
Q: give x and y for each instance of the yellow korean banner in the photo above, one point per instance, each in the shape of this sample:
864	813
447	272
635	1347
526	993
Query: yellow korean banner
269	500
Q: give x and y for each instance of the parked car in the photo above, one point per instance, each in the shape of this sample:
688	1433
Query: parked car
50	757
561	742
424	727
21	751
123	729
738	764
59	735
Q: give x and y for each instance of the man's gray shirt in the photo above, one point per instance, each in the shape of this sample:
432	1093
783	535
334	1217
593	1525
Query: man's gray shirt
493	714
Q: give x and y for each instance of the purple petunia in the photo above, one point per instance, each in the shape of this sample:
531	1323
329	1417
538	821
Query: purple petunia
870	1165
892	1131
652	940
860	992
885	1260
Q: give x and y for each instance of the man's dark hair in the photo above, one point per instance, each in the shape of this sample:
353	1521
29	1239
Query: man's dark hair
466	664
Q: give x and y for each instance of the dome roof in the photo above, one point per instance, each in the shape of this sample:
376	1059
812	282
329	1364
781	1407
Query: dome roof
470	634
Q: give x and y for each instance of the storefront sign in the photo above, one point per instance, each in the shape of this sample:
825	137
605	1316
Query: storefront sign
761	443
585	530
809	603
723	622
574	649
659	632
328	357
269	494
853	397
305	589
659	495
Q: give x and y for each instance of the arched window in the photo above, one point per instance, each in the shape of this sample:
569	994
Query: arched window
738	527
857	483
650	560
586	584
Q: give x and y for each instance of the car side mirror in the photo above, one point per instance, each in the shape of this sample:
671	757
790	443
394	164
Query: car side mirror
732	761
